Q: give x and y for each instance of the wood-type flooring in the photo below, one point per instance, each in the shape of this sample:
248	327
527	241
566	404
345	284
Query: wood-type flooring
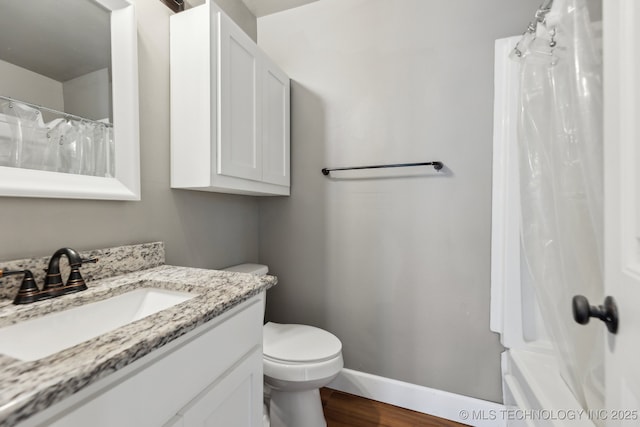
346	410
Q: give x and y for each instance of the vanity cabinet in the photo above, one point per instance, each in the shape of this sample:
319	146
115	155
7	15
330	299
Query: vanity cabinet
229	108
211	376
227	403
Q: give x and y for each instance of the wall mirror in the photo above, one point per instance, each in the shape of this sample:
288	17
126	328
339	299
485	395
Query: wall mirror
69	100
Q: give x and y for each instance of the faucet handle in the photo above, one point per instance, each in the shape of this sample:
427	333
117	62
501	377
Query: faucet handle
75	282
5	272
28	291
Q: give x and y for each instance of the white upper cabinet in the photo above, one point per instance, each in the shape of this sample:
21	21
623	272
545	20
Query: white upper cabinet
229	109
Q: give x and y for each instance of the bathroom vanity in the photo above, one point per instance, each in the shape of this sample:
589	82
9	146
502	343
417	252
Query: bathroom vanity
194	363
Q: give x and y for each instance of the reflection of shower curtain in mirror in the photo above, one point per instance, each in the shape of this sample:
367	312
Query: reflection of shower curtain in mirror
64	144
560	140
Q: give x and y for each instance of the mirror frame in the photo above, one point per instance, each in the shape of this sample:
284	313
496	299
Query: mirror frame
126	184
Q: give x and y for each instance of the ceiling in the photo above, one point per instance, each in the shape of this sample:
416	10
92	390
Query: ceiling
60	39
267	7
63	39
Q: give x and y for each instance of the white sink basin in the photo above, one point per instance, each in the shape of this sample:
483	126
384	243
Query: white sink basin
36	338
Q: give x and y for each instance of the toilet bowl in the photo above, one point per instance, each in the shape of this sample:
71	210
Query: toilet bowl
297	361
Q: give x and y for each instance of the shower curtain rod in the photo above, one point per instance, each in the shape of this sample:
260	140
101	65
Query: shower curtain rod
51	110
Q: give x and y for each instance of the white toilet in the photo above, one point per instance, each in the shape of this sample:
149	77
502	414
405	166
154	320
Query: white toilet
297	361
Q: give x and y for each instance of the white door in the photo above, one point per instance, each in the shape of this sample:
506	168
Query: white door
240	115
621	34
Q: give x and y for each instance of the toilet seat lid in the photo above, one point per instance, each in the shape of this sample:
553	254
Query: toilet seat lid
299	343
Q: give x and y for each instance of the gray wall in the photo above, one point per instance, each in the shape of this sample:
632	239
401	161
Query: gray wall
23	84
396	264
89	95
199	229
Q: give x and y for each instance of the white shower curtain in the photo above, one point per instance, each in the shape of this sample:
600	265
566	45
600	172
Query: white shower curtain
65	144
561	179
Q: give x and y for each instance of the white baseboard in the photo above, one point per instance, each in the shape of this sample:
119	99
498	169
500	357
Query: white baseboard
450	406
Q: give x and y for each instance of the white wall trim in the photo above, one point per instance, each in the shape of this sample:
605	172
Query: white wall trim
443	404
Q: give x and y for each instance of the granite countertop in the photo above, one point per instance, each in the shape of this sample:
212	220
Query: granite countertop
29	387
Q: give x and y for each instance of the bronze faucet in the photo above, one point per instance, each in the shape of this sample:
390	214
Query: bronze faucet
53	285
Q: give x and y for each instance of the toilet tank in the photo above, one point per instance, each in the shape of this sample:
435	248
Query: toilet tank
257	269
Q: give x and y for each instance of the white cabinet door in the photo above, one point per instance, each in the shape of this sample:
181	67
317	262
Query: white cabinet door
239	142
275	124
233	401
